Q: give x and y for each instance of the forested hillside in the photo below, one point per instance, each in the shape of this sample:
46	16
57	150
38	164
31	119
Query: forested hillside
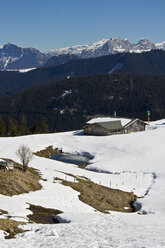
144	63
67	104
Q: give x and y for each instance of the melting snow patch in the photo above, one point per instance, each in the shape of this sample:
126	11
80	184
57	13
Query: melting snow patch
118	66
26	70
66	92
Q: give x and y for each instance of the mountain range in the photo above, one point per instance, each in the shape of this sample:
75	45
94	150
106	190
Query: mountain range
13	57
109	46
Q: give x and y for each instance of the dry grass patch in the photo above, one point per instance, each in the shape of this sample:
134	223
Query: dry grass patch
17	181
3	212
43	215
11	227
102	198
47	152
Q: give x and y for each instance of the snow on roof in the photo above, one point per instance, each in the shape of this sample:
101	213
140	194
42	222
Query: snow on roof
124	121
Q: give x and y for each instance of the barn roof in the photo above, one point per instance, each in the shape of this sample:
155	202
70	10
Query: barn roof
110	125
124	121
113	123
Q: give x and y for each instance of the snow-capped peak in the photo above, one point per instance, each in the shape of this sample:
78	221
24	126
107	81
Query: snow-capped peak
97	45
107	47
79	49
160	45
10	53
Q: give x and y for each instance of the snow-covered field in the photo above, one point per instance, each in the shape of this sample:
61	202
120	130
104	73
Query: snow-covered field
131	162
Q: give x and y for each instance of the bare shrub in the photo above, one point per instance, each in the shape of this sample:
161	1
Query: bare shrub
25	155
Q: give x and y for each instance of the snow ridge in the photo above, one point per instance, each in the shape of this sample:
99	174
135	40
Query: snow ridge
107	47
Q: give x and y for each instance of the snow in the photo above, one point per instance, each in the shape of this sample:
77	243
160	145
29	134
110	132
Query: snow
20	70
66	92
135	51
119	50
7	60
78	49
160	45
26	70
124	121
118	46
131	162
97	45
118	66
67	50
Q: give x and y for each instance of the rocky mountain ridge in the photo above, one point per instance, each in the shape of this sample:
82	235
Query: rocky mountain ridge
13	57
108	47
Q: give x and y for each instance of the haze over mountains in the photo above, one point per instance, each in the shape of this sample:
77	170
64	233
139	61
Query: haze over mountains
13	57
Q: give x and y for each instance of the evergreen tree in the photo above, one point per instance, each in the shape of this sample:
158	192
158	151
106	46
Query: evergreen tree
12	127
40	127
23	126
2	127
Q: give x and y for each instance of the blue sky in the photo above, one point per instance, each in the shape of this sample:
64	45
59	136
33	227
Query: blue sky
51	24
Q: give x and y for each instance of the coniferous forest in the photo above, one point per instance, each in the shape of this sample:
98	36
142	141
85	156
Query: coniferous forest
148	63
68	104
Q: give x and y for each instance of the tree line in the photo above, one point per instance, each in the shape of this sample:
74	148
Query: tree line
13	127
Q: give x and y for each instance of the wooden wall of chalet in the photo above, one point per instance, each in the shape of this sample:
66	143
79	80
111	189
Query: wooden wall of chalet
136	126
119	131
95	130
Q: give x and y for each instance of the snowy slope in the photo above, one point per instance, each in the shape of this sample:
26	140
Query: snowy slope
135	159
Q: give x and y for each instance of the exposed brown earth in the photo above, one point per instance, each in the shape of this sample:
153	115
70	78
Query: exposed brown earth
3	212
16	181
102	198
43	215
11	227
47	152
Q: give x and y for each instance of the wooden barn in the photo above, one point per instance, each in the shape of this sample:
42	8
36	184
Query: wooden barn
110	126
